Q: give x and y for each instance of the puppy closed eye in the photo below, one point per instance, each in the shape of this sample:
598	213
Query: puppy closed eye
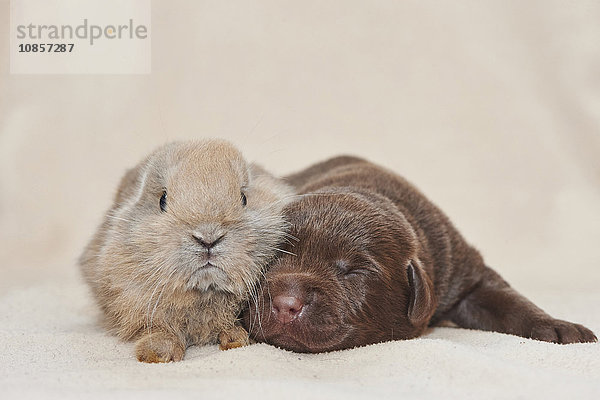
349	271
356	272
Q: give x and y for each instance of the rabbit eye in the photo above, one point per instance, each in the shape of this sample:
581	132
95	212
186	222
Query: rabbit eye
244	199
163	201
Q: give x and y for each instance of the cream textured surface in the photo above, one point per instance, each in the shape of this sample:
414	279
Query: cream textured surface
491	108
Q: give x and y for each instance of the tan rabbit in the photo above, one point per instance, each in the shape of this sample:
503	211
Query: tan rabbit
183	246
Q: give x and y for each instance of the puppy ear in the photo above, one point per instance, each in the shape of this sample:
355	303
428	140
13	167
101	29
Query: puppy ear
422	300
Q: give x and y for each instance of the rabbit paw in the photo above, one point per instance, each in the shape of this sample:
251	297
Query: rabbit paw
159	347
233	338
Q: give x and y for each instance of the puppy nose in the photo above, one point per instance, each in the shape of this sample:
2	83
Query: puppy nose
206	241
286	308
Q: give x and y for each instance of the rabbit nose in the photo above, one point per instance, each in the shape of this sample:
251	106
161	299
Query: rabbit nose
206	241
286	308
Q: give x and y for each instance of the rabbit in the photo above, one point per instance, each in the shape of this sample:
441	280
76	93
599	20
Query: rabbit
181	249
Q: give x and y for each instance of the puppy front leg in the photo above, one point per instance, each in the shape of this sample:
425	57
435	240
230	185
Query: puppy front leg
492	305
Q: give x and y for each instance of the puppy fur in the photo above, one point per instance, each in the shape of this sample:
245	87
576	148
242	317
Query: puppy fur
375	261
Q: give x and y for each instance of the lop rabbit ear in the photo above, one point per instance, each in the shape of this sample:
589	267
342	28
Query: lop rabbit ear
131	185
422	300
269	188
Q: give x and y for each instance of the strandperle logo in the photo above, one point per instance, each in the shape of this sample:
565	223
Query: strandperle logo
80	36
91	32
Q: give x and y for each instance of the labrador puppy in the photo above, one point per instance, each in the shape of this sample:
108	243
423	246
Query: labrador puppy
370	259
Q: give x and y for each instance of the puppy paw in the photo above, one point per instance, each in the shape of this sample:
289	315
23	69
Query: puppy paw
563	332
159	347
232	338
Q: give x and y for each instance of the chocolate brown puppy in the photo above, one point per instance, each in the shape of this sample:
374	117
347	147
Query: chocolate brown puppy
376	261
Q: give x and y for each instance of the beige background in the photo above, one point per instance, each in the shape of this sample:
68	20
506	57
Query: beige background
491	108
